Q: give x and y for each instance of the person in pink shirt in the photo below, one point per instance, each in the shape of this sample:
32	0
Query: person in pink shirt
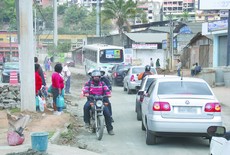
57	86
96	87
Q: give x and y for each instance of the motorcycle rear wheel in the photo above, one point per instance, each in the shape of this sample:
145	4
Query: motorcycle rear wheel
100	127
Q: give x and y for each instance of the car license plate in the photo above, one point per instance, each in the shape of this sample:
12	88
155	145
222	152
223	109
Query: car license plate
187	109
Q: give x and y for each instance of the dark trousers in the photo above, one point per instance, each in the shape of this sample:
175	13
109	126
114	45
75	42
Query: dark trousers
106	113
67	85
109	105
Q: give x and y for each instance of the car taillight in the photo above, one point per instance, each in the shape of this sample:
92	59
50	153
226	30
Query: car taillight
161	106
212	107
132	78
115	74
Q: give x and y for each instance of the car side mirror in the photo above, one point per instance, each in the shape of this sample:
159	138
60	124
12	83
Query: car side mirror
146	94
140	92
217	131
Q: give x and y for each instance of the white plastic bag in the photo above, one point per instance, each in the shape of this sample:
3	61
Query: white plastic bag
42	103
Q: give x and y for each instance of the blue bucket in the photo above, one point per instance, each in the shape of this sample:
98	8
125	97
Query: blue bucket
39	141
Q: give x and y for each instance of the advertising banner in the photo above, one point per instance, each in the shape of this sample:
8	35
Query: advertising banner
214	4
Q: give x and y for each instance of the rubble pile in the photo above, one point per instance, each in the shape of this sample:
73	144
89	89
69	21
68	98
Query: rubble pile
10	97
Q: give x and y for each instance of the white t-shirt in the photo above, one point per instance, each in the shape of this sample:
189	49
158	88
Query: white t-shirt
66	70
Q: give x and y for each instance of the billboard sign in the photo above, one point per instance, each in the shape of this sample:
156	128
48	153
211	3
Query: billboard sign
214	4
144	46
218	25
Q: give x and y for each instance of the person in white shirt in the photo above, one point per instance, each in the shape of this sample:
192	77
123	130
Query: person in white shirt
67	75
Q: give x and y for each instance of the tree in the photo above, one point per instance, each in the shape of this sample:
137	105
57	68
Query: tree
45	15
74	16
8	13
185	16
121	11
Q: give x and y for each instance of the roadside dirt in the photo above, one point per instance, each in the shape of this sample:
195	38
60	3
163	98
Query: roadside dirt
47	122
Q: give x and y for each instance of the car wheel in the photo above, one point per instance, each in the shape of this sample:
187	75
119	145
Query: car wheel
129	91
142	126
139	114
125	89
151	139
114	82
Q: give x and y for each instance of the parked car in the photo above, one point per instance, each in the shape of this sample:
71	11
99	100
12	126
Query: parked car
70	62
145	83
220	143
131	78
117	73
7	68
179	107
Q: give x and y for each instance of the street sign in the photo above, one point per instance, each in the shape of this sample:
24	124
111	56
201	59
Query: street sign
214	4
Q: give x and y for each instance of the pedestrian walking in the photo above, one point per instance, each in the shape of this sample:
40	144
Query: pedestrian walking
178	65
158	63
67	75
151	62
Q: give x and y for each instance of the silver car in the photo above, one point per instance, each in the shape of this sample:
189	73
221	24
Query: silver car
145	83
131	78
179	107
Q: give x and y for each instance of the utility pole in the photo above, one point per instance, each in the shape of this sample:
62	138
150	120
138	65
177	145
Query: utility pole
171	40
228	47
35	30
98	19
10	45
55	36
26	55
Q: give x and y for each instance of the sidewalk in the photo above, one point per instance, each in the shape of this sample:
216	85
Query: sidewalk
53	149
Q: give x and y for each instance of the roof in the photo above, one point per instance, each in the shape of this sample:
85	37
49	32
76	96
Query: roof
194	27
147	37
161	28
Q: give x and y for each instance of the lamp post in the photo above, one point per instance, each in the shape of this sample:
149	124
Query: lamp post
171	39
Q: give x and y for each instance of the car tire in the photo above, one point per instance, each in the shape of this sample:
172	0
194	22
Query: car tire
142	126
151	139
114	82
139	117
125	89
129	91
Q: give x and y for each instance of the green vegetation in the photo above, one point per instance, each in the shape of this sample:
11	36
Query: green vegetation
51	133
122	12
15	110
8	14
68	135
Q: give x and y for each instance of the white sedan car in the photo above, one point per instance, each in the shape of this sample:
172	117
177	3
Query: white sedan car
131	78
179	107
220	143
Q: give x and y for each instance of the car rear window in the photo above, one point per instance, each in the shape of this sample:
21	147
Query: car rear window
149	81
123	67
138	70
183	87
11	66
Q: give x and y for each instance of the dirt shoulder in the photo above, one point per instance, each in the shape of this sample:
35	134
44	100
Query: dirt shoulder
46	121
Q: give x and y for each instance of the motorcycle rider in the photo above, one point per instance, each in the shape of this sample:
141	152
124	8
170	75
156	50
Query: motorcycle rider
108	84
146	72
97	87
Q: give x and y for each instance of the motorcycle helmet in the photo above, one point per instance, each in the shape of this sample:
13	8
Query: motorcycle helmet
90	71
147	68
96	75
102	70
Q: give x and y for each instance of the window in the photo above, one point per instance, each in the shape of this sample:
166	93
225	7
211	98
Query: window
151	87
183	87
111	55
